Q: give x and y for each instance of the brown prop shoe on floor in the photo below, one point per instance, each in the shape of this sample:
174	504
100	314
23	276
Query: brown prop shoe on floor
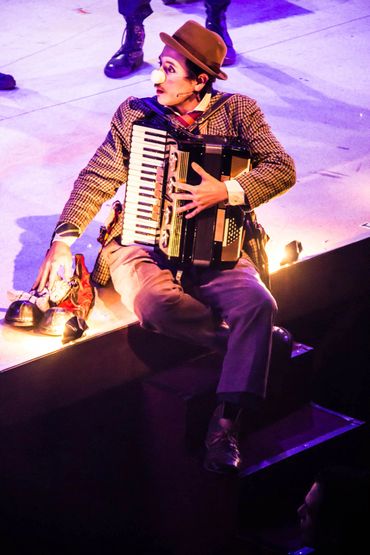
74	328
23	314
54	320
67	316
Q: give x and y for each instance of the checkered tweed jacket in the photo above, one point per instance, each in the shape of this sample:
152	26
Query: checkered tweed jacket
273	169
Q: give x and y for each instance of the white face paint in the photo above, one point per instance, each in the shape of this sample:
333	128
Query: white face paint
172	84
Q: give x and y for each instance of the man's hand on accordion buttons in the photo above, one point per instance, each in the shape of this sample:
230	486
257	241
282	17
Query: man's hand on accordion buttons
208	193
58	256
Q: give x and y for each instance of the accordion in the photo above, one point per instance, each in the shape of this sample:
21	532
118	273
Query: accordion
157	162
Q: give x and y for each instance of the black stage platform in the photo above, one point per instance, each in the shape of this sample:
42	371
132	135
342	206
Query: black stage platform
102	441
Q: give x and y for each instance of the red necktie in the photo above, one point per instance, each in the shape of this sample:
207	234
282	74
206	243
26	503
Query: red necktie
188	119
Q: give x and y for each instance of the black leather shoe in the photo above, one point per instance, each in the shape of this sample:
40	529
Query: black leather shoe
230	57
7	82
123	63
23	314
223	455
130	56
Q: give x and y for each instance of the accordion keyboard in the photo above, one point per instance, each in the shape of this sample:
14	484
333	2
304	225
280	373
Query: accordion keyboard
142	206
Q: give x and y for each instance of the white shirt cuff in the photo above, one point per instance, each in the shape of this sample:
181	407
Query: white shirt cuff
67	240
66	233
235	192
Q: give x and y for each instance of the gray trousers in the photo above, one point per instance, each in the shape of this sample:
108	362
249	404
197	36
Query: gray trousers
196	310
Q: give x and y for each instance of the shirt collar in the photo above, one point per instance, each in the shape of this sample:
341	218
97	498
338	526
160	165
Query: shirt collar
203	104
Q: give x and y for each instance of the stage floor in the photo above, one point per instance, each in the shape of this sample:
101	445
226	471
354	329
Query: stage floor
305	62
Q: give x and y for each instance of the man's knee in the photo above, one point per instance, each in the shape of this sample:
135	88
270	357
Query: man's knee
259	301
154	307
267	302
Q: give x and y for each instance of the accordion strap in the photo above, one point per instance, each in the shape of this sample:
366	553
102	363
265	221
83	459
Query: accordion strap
177	127
216	106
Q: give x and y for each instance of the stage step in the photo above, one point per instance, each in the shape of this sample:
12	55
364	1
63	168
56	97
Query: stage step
280	465
177	404
102	440
194	384
100	454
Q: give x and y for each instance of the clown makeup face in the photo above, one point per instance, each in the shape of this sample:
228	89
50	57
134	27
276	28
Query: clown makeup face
173	86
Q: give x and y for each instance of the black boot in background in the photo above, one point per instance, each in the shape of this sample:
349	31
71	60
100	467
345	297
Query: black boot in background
216	21
7	82
130	56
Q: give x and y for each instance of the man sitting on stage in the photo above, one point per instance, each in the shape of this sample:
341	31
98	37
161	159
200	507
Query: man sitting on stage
207	298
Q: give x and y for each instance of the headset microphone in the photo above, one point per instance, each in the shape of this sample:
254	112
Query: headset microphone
185	93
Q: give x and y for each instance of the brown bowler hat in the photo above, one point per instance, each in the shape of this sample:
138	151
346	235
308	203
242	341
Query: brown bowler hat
199	45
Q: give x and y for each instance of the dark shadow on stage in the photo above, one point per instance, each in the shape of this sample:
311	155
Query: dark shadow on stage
295	91
241	12
35	239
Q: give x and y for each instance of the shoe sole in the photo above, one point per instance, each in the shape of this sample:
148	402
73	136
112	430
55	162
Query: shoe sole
20	324
227	63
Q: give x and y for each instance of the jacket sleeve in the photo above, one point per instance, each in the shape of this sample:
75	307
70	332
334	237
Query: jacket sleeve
273	170
104	174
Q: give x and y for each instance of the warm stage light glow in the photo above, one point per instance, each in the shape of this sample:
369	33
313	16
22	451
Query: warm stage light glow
54	320
275	253
281	255
291	252
39	345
